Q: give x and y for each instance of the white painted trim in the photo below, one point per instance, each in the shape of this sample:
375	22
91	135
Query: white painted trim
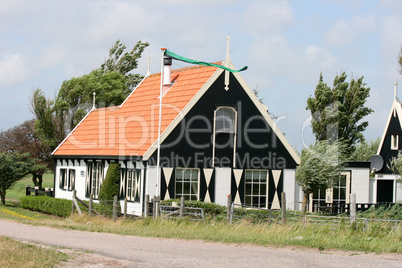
268	118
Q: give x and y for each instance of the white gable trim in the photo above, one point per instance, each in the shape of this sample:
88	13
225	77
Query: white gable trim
198	96
396	108
267	117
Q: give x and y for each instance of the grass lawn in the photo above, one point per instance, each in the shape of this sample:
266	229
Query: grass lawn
17	254
18	189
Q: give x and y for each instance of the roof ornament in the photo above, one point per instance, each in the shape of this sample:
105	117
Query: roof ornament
149	64
93	101
395	84
227	64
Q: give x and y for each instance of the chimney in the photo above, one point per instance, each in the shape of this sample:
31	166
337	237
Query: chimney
167	68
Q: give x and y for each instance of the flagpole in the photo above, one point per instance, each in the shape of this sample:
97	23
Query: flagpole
158	171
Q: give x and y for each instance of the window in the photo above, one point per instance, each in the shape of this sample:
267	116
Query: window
394	142
94	178
339	190
225	120
256	188
67	179
132	180
186	182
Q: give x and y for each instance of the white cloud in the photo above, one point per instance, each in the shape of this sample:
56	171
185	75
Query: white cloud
271	16
12	69
344	32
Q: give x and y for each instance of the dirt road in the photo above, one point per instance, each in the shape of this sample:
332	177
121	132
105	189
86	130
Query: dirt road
120	251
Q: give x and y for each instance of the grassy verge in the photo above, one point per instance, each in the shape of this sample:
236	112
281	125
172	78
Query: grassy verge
18	189
378	237
17	254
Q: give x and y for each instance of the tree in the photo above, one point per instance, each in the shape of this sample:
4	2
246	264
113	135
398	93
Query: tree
321	164
395	165
49	130
337	112
110	188
13	167
112	83
365	150
75	96
125	63
23	139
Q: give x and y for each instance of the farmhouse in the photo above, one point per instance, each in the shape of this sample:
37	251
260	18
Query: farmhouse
384	187
216	138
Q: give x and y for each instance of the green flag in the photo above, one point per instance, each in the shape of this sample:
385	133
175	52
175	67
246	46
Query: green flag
177	57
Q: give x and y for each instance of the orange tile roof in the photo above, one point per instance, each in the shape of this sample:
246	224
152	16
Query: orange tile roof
130	130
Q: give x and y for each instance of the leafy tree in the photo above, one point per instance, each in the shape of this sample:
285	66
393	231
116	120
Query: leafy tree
337	112
365	150
110	187
75	96
395	165
112	83
23	139
47	127
124	63
321	164
13	167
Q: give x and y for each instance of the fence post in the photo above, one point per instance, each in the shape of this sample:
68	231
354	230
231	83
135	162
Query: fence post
125	208
229	209
156	206
352	209
182	207
283	201
115	208
146	207
91	199
72	202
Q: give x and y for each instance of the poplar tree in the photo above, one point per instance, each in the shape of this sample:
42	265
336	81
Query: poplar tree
338	112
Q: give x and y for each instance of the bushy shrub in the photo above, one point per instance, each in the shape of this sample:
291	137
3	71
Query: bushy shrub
46	204
209	208
109	189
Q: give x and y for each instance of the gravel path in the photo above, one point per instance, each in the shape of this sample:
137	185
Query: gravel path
110	250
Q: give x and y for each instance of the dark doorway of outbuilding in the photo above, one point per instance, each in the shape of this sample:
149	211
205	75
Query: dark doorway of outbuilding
385	191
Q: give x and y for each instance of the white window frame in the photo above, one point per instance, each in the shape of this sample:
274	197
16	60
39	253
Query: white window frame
95	172
234	132
67	179
133	185
394	142
257	183
180	173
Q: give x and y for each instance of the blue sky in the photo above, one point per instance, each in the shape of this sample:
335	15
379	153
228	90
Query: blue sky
286	45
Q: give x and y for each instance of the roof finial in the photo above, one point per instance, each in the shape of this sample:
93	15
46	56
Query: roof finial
93	100
228	49
395	89
149	64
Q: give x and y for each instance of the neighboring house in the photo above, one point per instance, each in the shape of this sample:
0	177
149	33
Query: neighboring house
384	187
216	139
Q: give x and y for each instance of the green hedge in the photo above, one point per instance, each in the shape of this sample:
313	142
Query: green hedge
209	208
46	204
